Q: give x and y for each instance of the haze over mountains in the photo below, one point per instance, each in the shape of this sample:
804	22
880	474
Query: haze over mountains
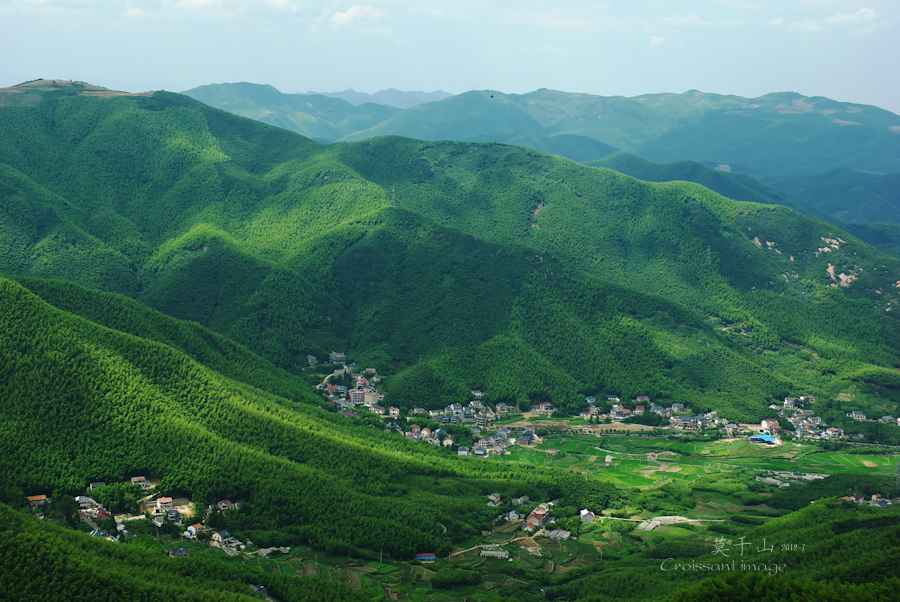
832	160
774	135
414	255
390	97
167	267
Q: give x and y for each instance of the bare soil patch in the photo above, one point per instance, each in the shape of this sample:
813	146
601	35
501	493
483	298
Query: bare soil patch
111	93
623	427
355	580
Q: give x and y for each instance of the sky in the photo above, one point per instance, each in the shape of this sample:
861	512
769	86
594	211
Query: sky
844	50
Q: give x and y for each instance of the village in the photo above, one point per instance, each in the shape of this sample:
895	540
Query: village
676	418
502	431
156	509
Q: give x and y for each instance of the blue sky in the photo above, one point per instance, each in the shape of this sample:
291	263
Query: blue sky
841	49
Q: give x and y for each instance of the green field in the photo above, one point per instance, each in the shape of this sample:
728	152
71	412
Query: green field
684	463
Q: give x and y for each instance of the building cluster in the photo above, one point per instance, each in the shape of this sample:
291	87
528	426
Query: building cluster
495	444
538	517
861	416
90	510
475	412
695	423
545	407
619	411
424	434
876	500
223	539
494	551
363	394
164	509
806	424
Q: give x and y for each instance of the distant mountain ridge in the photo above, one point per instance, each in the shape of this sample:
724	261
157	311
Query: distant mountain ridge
449	264
865	204
391	97
774	135
321	118
849	195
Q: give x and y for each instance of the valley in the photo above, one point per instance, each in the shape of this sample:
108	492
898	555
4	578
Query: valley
167	270
717	506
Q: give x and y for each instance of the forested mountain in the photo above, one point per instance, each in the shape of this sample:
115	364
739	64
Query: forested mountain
390	97
780	128
829	551
861	203
849	195
169	265
42	561
733	185
454	266
85	402
321	117
778	134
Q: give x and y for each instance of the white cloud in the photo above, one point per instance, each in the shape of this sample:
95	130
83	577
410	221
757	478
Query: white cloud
50	8
691	20
806	25
195	4
775	22
426	8
741	4
355	12
864	15
657	40
135	13
425	11
581	18
862	22
380	30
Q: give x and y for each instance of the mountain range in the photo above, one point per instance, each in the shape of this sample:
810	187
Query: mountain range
168	266
849	177
422	257
390	97
775	135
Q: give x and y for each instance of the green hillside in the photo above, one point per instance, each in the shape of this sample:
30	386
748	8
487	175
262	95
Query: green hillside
472	116
733	185
849	195
390	97
845	189
570	146
74	390
168	266
775	134
783	134
42	561
450	266
319	117
817	553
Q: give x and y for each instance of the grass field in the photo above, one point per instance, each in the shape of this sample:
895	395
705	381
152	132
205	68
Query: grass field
674	462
